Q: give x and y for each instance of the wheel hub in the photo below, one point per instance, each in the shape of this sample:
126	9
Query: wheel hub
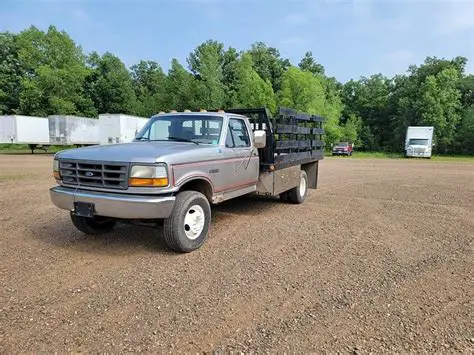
302	187
194	222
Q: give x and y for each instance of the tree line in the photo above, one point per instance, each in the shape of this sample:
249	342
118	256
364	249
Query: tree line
45	72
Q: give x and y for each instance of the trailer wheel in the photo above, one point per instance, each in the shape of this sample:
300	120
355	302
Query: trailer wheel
92	226
298	194
186	229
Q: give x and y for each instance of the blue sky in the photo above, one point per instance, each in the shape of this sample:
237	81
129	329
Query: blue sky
350	38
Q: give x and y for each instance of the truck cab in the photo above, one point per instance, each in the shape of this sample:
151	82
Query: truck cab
419	142
181	163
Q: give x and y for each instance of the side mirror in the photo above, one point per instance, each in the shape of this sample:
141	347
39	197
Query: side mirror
259	139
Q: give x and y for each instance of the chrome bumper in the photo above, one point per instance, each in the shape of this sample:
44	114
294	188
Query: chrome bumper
115	205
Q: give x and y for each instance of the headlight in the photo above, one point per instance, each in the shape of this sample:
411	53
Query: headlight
56	169
148	176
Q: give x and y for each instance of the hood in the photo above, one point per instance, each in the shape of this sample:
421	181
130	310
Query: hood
136	152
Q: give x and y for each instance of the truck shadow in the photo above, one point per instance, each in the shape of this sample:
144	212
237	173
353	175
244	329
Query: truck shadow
123	240
245	205
132	239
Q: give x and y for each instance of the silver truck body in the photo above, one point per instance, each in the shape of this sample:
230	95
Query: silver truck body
165	176
228	172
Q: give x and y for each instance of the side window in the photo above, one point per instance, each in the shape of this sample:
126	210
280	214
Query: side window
239	133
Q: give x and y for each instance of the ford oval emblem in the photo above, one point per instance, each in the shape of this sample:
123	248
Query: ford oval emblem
89	174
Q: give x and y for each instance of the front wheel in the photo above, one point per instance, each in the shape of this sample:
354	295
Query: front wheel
92	226
298	194
186	229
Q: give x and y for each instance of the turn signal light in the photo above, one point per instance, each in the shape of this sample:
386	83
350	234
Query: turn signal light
147	182
56	175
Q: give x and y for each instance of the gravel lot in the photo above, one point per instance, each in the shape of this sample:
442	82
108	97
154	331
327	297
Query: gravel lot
378	259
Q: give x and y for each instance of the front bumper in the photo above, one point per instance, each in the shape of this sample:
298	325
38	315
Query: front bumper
412	154
115	205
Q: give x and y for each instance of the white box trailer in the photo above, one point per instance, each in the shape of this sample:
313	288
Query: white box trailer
419	141
119	128
31	130
73	130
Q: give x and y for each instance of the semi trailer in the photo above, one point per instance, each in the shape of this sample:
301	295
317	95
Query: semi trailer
73	130
30	130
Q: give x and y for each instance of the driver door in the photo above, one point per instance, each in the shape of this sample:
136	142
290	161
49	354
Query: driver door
243	167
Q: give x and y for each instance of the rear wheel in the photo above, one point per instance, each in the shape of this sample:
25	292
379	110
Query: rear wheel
186	229
92	226
298	194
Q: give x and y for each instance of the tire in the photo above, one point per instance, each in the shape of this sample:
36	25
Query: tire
92	226
284	196
187	227
298	194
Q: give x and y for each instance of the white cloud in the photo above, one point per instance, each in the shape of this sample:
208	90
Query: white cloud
295	19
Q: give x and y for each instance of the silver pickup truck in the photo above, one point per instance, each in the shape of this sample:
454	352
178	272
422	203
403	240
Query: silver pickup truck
181	163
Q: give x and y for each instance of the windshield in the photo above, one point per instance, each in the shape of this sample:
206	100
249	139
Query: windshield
199	129
342	144
417	141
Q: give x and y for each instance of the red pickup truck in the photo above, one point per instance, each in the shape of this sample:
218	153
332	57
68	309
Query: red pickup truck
342	148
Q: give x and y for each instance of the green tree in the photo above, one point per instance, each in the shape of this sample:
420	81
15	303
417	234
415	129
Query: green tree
149	83
11	73
440	106
110	85
309	64
229	72
181	88
250	89
465	133
351	130
268	63
54	77
206	63
368	98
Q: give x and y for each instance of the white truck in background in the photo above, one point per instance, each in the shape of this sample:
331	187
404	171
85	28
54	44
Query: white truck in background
119	128
419	141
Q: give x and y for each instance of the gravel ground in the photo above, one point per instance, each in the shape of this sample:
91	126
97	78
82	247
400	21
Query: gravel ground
378	259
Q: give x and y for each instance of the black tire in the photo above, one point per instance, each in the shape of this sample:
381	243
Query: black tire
294	195
284	196
93	226
174	228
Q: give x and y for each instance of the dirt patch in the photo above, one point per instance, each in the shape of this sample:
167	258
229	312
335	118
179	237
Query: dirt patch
378	259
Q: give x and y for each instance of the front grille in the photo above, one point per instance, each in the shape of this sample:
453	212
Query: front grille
419	150
95	174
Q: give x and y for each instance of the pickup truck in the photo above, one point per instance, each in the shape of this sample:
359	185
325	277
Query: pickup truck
342	148
181	163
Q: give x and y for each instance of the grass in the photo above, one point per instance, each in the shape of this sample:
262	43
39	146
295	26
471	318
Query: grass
388	155
23	148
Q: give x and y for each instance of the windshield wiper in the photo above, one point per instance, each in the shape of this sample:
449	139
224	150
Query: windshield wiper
181	139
